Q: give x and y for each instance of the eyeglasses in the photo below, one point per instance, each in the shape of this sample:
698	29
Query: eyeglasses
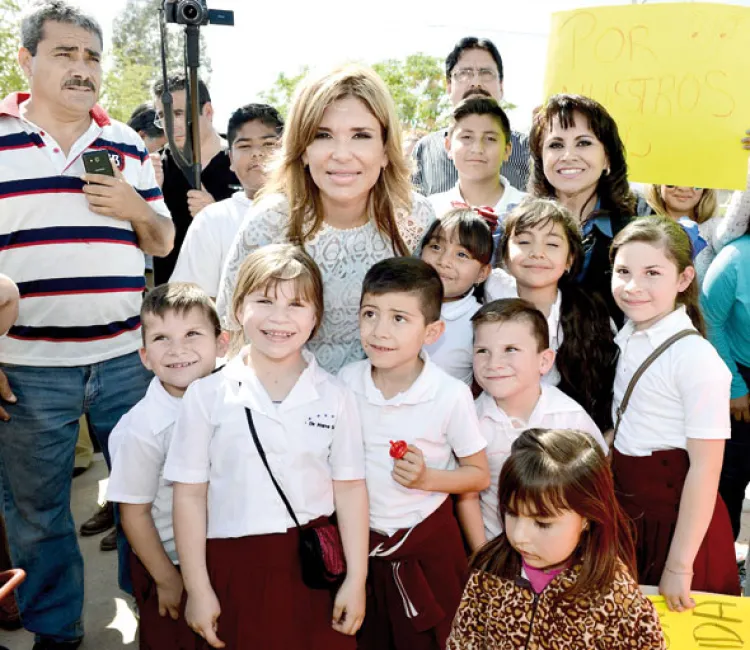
486	75
696	189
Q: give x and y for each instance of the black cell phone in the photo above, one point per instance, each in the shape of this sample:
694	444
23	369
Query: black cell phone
97	162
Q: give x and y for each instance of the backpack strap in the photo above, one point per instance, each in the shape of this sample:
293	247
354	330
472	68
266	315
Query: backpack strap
642	368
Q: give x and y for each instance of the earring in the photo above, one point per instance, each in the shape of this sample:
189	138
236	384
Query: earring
606	171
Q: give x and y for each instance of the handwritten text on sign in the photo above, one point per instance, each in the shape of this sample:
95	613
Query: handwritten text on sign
716	622
674	76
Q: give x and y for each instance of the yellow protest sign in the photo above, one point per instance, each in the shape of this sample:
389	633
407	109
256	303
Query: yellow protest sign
715	622
676	78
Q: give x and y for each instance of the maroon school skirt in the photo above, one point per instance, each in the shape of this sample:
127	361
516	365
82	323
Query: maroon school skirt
264	603
649	489
158	632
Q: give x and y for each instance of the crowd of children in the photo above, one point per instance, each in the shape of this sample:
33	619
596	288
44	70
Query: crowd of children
535	494
501	470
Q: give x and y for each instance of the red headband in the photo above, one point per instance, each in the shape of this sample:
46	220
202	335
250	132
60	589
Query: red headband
485	211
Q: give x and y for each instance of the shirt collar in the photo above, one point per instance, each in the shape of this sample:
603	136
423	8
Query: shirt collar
457	196
163	407
603	223
253	395
457	308
659	332
241	198
423	389
11	106
551	400
487	407
554	317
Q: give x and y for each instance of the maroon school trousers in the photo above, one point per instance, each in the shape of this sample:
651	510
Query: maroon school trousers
649	489
415	585
264	603
158	632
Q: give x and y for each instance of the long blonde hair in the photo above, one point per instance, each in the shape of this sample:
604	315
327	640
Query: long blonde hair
703	211
390	198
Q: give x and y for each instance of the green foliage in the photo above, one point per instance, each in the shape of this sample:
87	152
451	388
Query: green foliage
135	58
418	88
280	94
416	83
11	76
126	85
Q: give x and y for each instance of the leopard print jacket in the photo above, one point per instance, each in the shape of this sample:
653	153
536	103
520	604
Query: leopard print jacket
500	614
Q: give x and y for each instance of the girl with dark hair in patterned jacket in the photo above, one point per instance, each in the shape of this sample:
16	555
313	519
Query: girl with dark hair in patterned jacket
562	573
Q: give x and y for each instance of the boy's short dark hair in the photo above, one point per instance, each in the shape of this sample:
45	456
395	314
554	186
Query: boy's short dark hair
264	113
473	43
179	297
407	275
178	81
142	121
515	310
477	105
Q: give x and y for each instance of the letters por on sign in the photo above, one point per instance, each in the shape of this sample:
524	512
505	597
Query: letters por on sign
676	79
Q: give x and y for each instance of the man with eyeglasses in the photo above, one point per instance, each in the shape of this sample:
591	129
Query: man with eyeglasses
474	67
218	180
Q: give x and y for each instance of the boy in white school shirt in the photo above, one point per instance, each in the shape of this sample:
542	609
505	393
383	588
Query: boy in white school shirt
478	142
511	354
181	340
418	564
253	133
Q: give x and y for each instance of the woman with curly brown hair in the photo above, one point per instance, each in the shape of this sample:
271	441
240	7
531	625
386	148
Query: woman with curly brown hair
578	159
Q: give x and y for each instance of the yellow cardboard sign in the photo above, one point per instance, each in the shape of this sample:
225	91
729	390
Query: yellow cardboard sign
676	78
715	622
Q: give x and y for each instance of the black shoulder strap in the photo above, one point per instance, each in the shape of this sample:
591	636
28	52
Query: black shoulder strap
642	368
262	455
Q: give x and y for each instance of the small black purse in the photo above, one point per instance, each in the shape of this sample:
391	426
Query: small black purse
320	549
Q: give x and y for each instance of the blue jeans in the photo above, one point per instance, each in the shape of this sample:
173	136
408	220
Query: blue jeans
37	450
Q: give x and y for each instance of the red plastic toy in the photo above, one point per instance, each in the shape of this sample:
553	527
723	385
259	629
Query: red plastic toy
398	449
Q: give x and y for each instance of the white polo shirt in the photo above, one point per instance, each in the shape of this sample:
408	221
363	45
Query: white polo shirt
311	438
435	414
502	284
553	410
454	350
80	275
138	446
443	202
207	242
683	394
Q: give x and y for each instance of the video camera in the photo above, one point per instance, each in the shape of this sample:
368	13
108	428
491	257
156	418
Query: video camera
192	14
195	12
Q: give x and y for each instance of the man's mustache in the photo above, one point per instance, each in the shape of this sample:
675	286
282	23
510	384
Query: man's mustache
473	92
79	83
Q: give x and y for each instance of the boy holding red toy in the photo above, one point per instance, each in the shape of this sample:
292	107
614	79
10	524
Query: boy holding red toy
417	561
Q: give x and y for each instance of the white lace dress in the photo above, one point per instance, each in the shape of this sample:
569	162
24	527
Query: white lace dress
344	257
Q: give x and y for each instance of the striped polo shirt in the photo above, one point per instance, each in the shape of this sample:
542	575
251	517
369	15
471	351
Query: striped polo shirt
80	275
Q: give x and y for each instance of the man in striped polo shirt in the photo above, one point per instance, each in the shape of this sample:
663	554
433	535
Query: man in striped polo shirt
74	244
474	67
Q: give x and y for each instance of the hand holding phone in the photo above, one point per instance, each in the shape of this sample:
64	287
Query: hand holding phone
107	191
98	162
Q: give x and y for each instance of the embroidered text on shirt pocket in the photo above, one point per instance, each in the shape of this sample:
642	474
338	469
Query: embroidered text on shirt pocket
322	421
